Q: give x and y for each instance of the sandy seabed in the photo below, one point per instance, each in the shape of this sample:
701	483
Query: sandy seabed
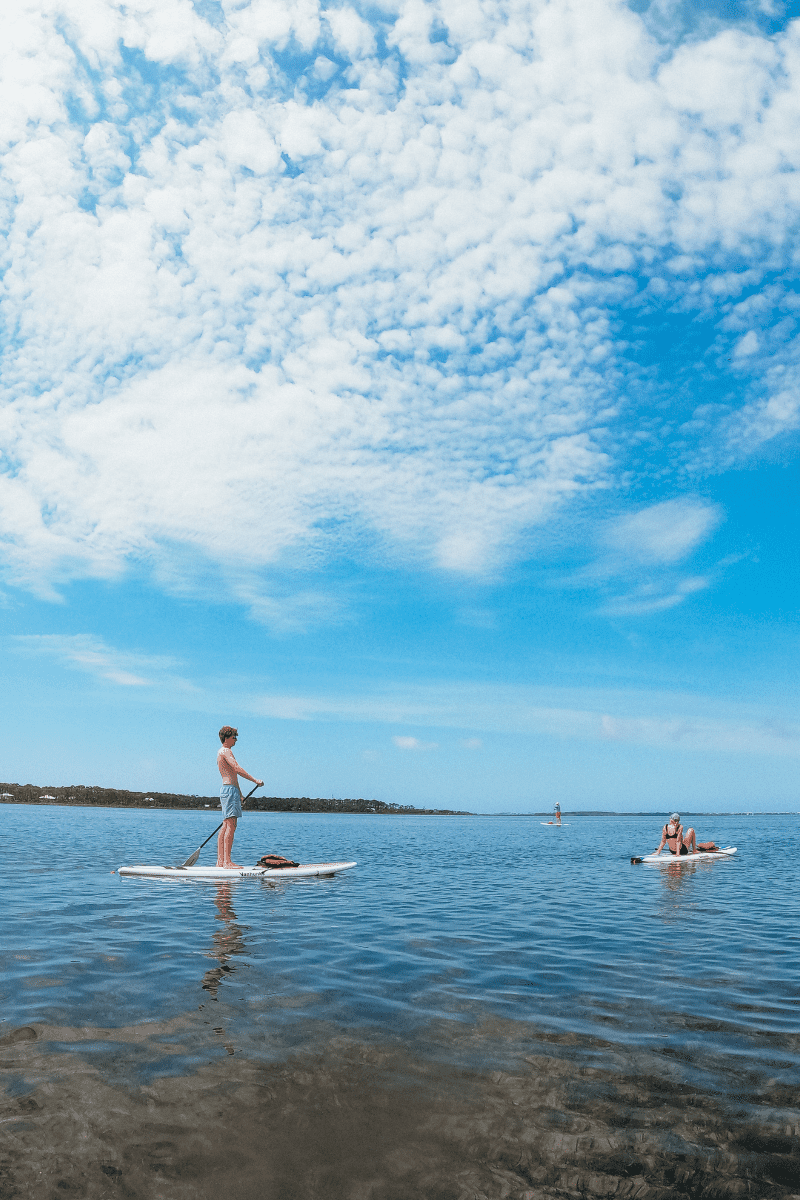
357	1121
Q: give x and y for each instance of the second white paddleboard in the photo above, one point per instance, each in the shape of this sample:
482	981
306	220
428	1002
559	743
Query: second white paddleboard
662	860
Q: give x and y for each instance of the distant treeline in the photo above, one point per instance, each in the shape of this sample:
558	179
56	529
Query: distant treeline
28	793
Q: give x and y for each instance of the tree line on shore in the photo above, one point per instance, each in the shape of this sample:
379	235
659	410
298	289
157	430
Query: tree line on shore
79	794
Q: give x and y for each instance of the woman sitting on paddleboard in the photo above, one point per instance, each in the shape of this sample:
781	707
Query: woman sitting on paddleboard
679	840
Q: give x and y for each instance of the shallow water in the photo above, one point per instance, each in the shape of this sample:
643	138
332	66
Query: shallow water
468	945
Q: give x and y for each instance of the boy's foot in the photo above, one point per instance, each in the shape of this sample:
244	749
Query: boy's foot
232	866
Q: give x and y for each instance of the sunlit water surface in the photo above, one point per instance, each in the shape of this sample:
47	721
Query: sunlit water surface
446	925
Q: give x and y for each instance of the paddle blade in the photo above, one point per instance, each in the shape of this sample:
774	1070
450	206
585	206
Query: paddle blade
192	859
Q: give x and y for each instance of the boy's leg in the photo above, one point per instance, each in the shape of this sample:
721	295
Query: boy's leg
229	845
226	839
224	842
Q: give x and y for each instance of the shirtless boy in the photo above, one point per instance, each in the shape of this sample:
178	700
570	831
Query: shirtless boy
679	840
229	795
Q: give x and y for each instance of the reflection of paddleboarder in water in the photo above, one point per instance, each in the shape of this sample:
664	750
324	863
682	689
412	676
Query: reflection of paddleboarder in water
230	797
228	940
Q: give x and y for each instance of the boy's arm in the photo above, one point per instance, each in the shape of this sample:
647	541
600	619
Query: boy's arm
244	774
241	771
227	754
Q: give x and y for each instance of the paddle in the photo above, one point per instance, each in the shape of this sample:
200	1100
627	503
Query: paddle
192	859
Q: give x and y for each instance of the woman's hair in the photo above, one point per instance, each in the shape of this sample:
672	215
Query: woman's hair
227	731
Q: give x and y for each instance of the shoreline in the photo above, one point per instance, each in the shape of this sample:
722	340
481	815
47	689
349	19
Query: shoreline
169	801
82	796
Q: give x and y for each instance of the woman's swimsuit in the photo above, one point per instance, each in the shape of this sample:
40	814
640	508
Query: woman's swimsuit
683	850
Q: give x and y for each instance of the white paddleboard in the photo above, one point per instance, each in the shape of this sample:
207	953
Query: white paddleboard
663	860
217	873
560	824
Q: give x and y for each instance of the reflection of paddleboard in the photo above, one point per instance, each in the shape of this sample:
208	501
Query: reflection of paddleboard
560	824
662	860
218	873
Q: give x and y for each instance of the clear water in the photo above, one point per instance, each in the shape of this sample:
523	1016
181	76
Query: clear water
447	926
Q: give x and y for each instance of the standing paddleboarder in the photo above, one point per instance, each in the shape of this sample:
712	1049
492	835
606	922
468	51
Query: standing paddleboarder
229	795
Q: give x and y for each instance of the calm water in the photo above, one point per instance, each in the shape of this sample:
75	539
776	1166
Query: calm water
445	924
484	1008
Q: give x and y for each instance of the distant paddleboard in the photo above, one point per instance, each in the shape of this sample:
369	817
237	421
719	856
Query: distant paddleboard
217	873
560	824
662	860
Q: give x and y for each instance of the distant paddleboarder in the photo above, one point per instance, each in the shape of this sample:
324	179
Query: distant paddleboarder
229	795
558	813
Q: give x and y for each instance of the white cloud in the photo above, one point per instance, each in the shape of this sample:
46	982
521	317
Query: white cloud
748	429
91	654
665	532
407	334
677	721
353	37
655	597
639	562
412	743
747	346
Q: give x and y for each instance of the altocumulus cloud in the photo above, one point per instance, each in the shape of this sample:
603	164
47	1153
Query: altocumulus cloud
301	278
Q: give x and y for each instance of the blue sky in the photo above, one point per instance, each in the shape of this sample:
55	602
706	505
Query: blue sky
412	385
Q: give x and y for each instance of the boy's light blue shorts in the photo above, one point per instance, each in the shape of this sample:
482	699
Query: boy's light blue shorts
231	800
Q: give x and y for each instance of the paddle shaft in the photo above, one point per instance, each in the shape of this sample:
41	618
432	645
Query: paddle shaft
192	859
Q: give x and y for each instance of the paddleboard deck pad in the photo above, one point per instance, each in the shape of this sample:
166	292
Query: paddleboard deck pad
216	873
663	860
